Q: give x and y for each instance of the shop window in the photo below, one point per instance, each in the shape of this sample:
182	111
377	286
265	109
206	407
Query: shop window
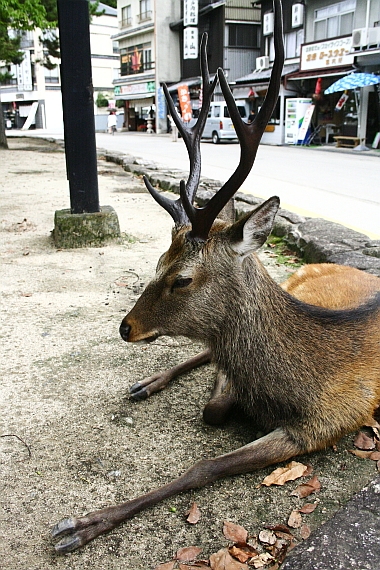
243	35
335	20
136	59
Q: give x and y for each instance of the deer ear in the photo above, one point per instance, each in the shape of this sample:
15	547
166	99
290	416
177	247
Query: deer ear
249	233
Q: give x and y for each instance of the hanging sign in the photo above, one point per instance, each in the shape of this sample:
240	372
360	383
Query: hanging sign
190	13
184	101
190	43
326	54
24	74
339	106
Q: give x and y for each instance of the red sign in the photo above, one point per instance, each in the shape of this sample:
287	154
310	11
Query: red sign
184	101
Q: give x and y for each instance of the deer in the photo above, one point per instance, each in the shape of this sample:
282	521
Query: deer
302	360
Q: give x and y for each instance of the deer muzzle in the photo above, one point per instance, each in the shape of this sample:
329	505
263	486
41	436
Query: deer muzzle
133	331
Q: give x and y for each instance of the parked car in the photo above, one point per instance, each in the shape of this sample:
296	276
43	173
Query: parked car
219	125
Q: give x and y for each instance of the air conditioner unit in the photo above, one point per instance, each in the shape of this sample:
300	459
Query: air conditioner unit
268	23
262	62
297	15
363	37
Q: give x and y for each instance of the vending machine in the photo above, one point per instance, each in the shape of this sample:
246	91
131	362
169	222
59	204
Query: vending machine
294	113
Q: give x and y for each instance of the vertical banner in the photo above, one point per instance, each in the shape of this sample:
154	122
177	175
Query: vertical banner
24	74
190	13
184	101
305	123
190	43
161	103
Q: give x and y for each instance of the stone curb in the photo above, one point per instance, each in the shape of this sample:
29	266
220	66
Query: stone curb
318	240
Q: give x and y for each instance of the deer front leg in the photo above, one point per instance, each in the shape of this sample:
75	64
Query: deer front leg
221	401
142	390
272	448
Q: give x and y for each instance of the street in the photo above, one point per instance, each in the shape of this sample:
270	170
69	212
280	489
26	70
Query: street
339	186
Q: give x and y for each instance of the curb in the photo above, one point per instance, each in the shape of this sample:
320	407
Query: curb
318	240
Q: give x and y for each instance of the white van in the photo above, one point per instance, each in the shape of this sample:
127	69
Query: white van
219	126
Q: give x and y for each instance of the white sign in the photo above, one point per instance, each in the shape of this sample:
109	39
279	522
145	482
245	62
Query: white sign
326	54
190	43
24	74
190	13
305	123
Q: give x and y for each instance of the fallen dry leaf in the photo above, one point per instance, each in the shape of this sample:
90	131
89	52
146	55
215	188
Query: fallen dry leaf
242	552
279	550
375	456
261	560
306	489
363	441
295	519
308	508
166	566
234	532
188	553
222	560
200	566
278	528
194	514
305	531
267	536
361	453
281	475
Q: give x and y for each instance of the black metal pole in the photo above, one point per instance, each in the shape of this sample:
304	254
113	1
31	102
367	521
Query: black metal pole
78	105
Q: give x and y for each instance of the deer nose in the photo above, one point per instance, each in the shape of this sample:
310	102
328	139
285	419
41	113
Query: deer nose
124	331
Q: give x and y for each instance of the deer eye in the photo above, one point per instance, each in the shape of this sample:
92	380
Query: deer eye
181	282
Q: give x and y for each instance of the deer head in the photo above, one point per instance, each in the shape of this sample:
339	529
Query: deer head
194	274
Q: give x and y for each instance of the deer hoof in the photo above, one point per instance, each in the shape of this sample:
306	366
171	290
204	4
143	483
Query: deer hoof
137	392
66	526
68	544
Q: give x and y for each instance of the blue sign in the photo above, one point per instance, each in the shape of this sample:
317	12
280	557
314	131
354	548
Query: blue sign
161	104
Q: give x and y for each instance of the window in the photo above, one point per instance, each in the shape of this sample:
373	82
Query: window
136	59
52	75
243	35
334	20
217	111
145	11
293	42
126	16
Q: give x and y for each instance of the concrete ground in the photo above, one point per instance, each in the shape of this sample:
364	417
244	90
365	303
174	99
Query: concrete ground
64	390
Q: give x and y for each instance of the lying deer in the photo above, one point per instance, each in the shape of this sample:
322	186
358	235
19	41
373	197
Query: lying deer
306	374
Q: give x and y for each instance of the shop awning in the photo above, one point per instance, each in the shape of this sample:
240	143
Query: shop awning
134	97
189	82
314	74
265	74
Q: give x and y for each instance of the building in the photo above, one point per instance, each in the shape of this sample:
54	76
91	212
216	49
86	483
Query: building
149	56
32	97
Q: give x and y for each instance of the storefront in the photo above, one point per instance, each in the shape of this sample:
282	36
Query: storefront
253	88
336	114
139	104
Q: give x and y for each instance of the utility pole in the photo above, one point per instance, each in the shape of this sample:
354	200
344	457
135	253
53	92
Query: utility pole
78	105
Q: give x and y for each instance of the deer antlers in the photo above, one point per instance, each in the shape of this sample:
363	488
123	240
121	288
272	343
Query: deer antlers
249	135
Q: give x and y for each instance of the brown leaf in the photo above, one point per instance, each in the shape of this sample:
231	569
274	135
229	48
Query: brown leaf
279	550
360	453
222	560
242	551
261	560
166	566
306	489
194	514
308	508
295	519
375	455
305	531
281	475
234	532
267	536
363	441
188	553
200	566
278	527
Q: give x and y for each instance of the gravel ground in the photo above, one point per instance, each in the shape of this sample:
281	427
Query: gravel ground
64	389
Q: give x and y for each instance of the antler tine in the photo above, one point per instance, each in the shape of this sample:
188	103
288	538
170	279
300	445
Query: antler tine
192	137
249	137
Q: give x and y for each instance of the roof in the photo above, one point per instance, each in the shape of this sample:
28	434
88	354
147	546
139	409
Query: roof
260	76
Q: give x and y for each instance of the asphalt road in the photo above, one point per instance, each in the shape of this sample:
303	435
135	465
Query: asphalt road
339	186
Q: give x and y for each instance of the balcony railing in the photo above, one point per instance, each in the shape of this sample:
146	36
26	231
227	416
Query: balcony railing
126	22
144	16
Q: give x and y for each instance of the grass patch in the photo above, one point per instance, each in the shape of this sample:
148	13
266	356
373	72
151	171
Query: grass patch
284	255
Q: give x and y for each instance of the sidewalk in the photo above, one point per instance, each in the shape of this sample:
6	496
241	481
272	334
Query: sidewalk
64	389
